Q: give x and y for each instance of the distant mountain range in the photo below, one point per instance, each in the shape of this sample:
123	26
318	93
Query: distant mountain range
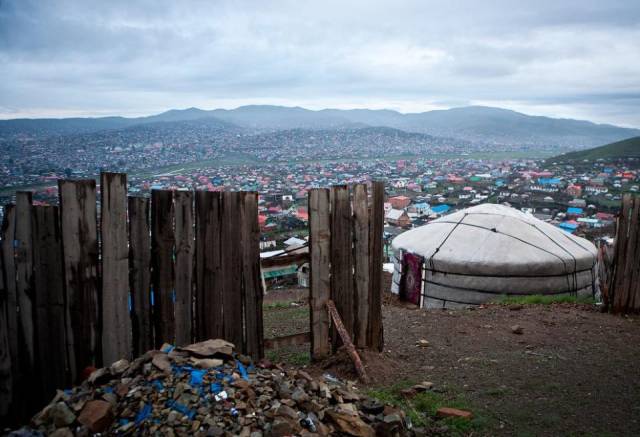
477	124
620	149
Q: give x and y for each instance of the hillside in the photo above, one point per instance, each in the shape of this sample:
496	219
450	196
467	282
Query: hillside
620	149
476	124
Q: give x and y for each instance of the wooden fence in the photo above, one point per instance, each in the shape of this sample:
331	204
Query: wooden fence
84	284
622	292
346	265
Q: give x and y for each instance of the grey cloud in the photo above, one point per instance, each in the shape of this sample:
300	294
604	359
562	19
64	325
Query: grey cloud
570	58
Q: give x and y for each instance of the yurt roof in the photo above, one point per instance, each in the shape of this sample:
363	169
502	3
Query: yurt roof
497	240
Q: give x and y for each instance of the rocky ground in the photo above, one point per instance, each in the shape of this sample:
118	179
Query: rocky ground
205	389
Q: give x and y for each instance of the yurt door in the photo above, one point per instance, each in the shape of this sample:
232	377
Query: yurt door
411	281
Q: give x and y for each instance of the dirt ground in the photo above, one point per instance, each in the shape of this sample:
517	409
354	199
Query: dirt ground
572	371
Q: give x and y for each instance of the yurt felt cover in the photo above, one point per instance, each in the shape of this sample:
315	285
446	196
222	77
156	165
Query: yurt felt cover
495	240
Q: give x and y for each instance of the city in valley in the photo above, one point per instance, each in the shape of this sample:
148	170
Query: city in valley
349	218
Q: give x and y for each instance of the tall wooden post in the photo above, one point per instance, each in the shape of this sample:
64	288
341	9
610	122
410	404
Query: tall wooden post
140	274
319	291
116	320
362	267
341	259
375	336
162	243
185	249
80	259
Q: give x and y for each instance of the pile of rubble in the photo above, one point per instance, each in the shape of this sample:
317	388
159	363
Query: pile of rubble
207	389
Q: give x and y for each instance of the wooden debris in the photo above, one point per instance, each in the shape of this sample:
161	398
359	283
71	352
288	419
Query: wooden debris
346	340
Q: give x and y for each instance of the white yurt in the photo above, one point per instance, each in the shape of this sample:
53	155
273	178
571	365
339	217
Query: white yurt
475	255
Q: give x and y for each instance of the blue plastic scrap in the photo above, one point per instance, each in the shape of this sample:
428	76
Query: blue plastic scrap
158	385
196	377
216	388
182	409
168	348
143	414
242	370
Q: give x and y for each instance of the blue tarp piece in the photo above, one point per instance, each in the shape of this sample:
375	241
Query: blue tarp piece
242	370
107	389
548	181
216	388
168	348
123	422
157	384
196	377
568	226
440	209
181	409
143	414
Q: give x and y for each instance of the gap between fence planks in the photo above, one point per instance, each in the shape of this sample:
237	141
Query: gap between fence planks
116	321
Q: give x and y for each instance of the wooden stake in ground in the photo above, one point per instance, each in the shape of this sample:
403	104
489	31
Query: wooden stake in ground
346	340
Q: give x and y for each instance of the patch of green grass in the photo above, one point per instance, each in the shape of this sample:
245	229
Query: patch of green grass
421	409
278	304
294	358
541	299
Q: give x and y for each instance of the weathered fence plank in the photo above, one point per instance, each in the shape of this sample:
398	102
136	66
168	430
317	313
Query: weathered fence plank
140	274
209	282
622	239
80	259
49	314
185	248
319	291
634	255
232	270
341	259
362	266
116	320
8	258
162	242
24	277
6	379
375	337
252	285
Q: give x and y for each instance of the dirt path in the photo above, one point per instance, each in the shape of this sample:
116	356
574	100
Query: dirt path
572	371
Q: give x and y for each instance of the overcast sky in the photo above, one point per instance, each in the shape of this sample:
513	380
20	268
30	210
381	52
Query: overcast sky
578	59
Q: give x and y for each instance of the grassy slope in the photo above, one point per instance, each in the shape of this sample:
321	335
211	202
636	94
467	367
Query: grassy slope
620	149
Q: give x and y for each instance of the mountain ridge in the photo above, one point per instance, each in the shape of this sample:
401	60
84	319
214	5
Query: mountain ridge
479	124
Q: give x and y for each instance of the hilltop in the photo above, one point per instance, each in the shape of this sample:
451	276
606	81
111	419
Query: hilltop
476	124
620	149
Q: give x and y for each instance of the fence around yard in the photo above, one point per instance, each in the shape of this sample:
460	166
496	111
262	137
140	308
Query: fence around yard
621	289
85	284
